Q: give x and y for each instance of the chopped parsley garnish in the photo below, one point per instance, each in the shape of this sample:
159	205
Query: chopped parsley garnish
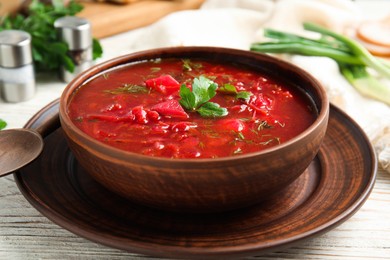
228	89
197	99
188	65
237	151
263	125
231	90
155	69
128	88
245	95
280	123
269	141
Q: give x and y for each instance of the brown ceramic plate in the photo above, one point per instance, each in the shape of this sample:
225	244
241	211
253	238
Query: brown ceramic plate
331	190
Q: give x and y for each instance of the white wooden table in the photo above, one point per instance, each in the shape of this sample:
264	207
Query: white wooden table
26	234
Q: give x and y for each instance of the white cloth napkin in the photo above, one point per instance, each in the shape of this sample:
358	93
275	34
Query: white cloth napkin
238	23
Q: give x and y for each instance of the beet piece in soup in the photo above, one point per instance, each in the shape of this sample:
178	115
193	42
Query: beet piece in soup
189	109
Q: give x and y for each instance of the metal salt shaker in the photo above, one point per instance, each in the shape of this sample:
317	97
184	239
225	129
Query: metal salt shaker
17	79
76	32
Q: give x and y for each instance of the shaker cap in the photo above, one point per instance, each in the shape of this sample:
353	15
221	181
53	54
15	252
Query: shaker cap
75	31
15	48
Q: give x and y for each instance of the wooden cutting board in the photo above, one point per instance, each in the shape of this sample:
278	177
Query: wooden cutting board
108	19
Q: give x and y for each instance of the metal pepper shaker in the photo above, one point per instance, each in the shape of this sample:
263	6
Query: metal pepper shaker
76	32
17	79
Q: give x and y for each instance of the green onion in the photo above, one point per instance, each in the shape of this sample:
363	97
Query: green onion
307	50
357	49
353	59
365	83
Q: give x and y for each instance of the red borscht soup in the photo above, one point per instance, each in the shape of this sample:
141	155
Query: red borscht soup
180	108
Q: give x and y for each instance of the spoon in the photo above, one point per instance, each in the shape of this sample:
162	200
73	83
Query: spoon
19	147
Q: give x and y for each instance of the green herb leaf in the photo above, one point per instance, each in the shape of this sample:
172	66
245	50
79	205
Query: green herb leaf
155	69
203	89
244	95
263	125
237	151
228	89
3	124
97	49
128	88
188	65
211	109
187	98
68	63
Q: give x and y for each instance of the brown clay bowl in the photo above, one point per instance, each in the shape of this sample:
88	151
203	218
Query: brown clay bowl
200	185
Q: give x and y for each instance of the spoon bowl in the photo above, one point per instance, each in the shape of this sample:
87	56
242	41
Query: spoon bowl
19	147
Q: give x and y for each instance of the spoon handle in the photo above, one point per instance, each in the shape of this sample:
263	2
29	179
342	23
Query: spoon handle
49	125
46	120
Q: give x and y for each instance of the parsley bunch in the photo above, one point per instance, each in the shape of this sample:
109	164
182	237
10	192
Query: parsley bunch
203	89
49	52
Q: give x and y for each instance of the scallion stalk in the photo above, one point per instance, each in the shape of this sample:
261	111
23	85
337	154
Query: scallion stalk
365	83
355	48
293	47
353	59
